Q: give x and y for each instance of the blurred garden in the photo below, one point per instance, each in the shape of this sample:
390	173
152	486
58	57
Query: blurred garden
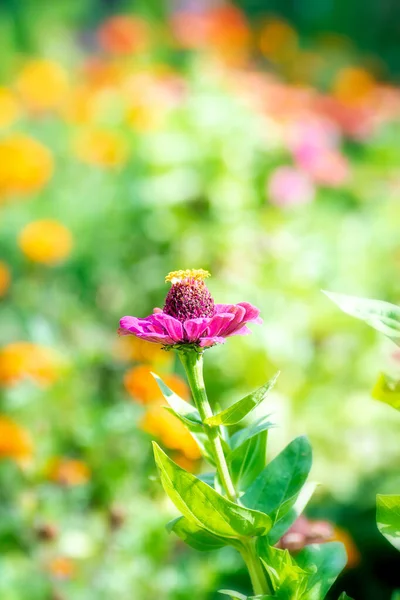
257	141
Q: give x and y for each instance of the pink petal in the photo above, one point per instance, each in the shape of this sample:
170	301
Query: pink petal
171	326
219	323
195	327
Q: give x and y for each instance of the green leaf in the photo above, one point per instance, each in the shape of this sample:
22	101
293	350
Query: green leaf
233	595
327	561
380	315
284	573
283	524
388	517
395	595
245	434
344	596
247	459
275	490
203	506
189	416
195	536
186	411
235	413
387	390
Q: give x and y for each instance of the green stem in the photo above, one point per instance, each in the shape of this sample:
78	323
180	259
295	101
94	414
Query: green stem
255	568
193	364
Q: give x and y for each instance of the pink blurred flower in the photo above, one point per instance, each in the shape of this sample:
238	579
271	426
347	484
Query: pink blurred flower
288	186
329	168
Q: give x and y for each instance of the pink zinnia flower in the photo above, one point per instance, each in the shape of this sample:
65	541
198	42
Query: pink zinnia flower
190	316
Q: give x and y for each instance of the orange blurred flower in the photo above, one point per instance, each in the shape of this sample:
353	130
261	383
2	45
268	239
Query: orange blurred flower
278	40
15	442
68	471
25	359
141	385
353	85
5	278
9	108
45	241
160	423
42	84
101	147
189	464
25	165
223	28
128	348
124	34
61	567
353	554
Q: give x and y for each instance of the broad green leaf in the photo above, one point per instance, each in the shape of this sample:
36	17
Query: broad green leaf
247	460
195	536
327	561
380	315
235	413
204	506
344	596
275	490
245	434
283	524
387	390
395	595
388	517
189	416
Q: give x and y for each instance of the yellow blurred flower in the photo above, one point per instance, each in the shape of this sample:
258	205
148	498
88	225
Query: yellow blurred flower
353	85
68	471
21	360
160	423
46	241
5	278
127	348
101	147
189	464
9	108
141	385
25	165
42	84
61	567
15	442
278	40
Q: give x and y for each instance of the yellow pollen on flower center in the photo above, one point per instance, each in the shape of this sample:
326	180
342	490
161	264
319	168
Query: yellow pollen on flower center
197	274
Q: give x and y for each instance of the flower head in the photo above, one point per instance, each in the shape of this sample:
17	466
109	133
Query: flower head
190	316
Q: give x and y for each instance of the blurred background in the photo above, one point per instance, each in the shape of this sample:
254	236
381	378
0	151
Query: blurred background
258	140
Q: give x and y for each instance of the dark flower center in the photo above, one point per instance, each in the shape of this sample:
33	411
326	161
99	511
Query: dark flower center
189	299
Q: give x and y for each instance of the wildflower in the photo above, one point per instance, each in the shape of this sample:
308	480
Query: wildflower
101	147
25	165
61	567
46	241
278	40
222	28
68	472
141	385
304	532
123	34
288	186
170	431
190	316
9	108
353	85
15	442
132	348
42	85
20	360
5	278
